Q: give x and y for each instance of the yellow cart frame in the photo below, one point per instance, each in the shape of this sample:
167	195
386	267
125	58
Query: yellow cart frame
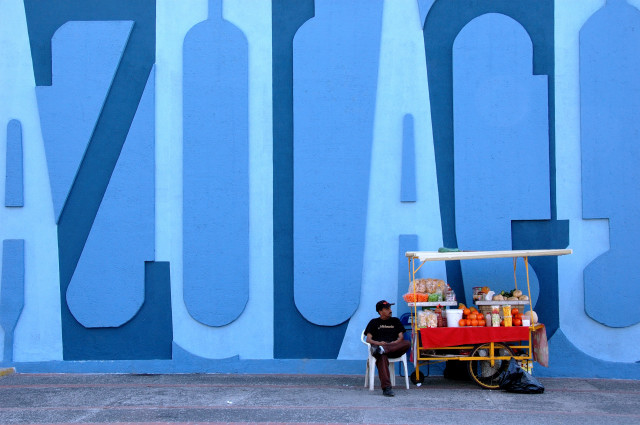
487	360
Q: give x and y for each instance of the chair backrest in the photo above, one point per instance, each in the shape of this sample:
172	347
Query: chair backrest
363	338
405	320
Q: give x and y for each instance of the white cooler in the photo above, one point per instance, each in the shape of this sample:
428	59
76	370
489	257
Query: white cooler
453	317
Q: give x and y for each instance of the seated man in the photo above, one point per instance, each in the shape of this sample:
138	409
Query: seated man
386	336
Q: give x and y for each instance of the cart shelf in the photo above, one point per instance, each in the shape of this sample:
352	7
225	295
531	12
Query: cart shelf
434	304
505	302
475	255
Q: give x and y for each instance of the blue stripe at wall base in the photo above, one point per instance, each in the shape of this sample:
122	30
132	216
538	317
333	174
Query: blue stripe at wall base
567	360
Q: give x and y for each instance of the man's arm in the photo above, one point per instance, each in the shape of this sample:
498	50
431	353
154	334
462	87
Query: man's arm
401	330
372	342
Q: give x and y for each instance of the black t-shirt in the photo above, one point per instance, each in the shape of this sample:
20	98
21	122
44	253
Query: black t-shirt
384	330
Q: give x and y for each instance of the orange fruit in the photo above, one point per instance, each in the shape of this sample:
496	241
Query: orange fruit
474	322
466	311
517	322
514	311
482	323
462	322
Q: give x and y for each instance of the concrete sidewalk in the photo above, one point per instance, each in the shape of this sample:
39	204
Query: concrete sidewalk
335	399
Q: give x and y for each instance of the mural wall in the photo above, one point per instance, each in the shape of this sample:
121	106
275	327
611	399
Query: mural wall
231	185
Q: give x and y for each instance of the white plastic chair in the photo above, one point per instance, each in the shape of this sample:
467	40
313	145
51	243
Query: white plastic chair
371	366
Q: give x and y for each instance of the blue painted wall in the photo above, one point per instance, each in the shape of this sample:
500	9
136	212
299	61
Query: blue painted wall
230	185
11	291
608	126
215	170
500	111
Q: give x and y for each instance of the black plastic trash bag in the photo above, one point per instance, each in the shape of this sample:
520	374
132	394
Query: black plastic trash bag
517	380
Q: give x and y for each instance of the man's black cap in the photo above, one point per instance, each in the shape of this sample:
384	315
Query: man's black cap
383	304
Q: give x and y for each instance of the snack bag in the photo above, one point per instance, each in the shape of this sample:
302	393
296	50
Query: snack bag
414	286
419	286
410	297
506	314
431	286
432	319
422	319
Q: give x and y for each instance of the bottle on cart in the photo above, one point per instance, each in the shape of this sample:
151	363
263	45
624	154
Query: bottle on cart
438	312
449	294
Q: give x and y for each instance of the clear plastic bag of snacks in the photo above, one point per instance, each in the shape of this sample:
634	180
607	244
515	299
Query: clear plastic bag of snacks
422	319
420	286
427	319
432	319
432	285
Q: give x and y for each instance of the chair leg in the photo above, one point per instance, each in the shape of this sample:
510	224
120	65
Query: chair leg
406	372
392	373
372	373
366	374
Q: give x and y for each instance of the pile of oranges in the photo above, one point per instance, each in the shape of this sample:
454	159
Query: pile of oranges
517	317
471	317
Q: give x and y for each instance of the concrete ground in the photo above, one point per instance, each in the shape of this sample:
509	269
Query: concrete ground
335	399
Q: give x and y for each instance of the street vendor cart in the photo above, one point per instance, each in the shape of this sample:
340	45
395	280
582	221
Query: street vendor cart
488	349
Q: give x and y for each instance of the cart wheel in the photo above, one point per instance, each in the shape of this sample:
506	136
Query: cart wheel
416	380
481	370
